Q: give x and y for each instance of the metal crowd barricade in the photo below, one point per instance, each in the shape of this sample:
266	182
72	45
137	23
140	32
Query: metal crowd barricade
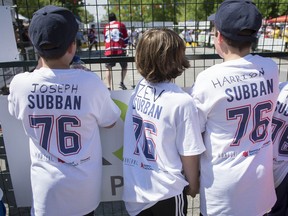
201	55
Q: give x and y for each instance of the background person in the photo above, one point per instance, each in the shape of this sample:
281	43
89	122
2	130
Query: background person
276	33
61	110
135	37
285	36
92	38
163	140
116	40
79	40
236	100
187	35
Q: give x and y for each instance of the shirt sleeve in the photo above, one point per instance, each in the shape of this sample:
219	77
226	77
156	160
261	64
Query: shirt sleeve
189	139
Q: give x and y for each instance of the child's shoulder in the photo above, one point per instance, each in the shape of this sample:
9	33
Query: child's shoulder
22	76
283	86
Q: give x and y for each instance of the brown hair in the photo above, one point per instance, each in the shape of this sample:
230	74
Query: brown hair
160	55
240	45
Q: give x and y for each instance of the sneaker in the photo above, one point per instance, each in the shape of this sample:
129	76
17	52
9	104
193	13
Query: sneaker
122	86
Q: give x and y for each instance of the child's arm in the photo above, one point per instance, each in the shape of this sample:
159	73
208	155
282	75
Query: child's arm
191	172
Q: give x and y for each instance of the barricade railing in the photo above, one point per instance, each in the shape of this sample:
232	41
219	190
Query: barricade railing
201	54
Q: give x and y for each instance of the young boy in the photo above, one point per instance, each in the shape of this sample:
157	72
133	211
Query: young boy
61	110
161	135
280	159
236	101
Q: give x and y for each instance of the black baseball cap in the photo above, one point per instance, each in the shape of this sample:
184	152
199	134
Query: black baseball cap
234	16
52	30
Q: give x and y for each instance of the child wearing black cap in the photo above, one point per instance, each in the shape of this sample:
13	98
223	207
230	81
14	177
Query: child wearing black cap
61	110
235	101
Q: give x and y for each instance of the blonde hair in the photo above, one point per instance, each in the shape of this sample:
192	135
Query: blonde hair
160	55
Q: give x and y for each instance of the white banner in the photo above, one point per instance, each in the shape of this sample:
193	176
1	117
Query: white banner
17	150
8	47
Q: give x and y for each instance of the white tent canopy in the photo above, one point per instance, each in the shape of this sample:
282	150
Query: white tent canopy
21	17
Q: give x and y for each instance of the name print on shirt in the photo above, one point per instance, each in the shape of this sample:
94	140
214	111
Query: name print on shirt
227	80
282	108
53	96
251	90
244	90
145	101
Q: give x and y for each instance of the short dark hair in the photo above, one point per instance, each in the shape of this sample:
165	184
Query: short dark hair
240	45
112	17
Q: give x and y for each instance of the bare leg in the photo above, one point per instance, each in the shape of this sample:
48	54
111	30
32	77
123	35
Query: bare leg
108	77
123	75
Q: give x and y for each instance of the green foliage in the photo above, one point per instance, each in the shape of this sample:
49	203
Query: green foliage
145	10
197	10
152	10
28	7
272	8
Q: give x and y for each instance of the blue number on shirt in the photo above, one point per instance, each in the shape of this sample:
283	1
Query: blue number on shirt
46	124
143	133
279	127
243	114
68	141
259	132
260	123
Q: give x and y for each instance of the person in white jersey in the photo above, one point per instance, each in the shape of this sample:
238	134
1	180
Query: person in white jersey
280	158
162	138
187	36
61	110
236	100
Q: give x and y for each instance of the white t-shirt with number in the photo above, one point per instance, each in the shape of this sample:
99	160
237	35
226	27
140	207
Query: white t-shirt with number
280	135
235	101
61	112
161	124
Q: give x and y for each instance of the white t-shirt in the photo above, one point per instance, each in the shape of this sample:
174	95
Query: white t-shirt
61	112
235	101
161	124
280	135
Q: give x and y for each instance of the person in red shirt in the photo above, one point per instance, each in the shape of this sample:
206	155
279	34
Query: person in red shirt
116	40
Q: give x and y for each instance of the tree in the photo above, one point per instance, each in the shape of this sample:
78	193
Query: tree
144	10
152	10
28	7
272	8
199	10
